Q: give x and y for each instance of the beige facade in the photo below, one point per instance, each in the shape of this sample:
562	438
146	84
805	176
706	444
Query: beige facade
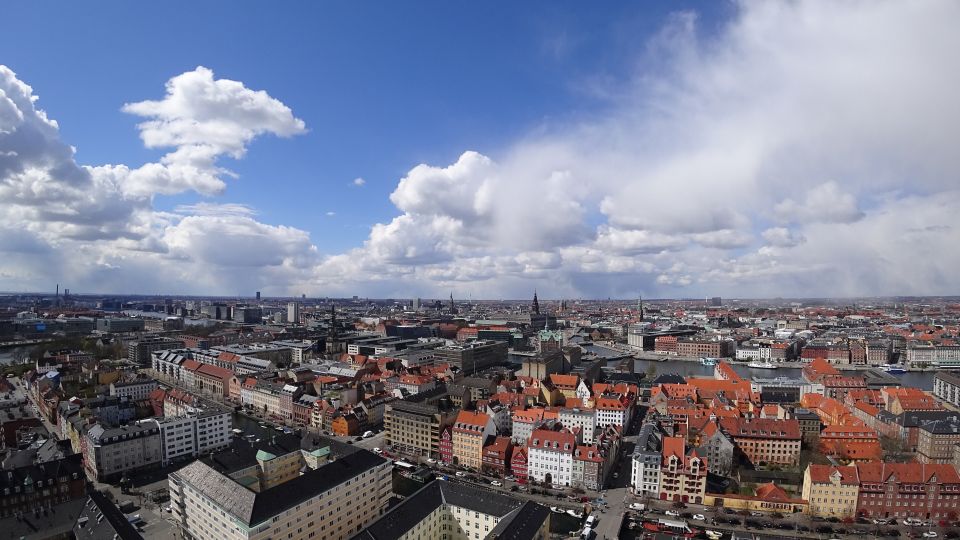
209	505
831	491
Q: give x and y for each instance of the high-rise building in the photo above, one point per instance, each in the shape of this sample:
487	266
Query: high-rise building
293	312
258	296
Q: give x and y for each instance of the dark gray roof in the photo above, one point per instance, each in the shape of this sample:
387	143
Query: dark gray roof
517	518
113	525
669	378
253	508
43	524
242	452
522	524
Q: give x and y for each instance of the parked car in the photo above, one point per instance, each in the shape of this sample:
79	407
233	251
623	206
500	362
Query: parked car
461	474
671	513
699	517
636	506
930	534
496	483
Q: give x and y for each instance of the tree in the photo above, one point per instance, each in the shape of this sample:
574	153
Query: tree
651	371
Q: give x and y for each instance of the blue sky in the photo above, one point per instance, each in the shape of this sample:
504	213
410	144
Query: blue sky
671	149
381	86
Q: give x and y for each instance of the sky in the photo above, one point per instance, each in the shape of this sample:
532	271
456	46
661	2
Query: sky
657	149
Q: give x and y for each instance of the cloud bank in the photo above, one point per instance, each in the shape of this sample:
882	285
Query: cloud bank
804	149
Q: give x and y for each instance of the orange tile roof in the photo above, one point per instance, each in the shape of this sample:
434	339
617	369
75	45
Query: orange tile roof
821	474
673	446
471	421
914	473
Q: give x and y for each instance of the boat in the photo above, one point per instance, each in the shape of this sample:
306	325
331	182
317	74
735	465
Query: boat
574	513
708	361
556	509
892	368
761	365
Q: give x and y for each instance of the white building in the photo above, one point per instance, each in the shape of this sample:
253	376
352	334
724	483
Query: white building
297	495
584	419
524	422
613	411
293	312
550	456
194	434
138	390
645	462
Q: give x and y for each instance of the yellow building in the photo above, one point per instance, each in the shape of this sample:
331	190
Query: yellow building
831	491
470	430
769	498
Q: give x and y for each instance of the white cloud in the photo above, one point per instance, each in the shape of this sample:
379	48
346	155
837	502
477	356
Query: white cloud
202	118
824	203
331	214
359	182
66	222
782	237
800	149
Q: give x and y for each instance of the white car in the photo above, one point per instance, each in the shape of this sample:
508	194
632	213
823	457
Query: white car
930	534
912	522
431	461
496	483
671	513
699	517
377	450
636	506
461	474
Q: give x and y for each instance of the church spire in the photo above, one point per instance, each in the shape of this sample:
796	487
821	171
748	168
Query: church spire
536	304
640	306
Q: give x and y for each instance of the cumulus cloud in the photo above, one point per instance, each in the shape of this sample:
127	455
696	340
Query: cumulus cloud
797	149
96	226
359	182
826	203
782	237
789	128
203	118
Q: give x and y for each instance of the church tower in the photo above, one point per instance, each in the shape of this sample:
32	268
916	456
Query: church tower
535	307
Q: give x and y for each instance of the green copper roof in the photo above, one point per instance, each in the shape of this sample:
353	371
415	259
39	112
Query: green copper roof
320	452
264	456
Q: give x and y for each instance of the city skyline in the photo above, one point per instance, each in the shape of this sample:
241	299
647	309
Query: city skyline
685	150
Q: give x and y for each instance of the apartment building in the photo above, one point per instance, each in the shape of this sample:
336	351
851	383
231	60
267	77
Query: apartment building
108	453
936	440
453	511
198	432
683	475
137	390
413	425
831	491
324	493
140	351
613	411
550	456
946	387
645	461
473	356
584	420
710	348
470	431
767	441
899	490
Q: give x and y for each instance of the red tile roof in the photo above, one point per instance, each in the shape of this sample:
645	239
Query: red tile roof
913	473
820	474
